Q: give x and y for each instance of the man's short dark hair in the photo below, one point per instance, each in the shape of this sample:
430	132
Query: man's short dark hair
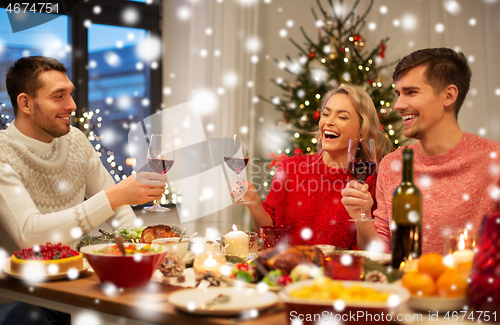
444	67
23	76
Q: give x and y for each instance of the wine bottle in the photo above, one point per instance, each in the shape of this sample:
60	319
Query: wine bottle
406	223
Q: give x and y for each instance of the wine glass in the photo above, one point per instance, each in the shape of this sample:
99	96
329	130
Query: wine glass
235	150
362	164
161	157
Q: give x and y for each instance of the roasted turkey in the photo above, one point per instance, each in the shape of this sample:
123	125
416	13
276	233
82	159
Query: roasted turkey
287	258
158	231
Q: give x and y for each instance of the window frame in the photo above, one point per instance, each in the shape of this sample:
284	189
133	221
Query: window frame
151	21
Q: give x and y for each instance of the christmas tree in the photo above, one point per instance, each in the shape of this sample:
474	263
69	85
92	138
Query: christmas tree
338	56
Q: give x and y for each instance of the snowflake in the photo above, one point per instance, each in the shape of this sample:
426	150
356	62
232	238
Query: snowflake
183	13
413	216
452	6
494	192
466	197
253	44
230	79
346	259
396	166
425	181
493	155
439	28
494	169
339	305
409	22
76	233
131	16
306	233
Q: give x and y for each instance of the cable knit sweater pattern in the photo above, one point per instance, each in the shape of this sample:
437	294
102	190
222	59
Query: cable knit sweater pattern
305	195
43	187
458	188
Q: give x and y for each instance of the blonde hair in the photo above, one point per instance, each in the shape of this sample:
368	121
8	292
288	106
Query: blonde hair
369	124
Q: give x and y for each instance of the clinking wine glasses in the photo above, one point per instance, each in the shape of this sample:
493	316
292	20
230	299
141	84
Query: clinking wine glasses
236	157
161	156
362	164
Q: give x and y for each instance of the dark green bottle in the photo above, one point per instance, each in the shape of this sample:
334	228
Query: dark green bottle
406	216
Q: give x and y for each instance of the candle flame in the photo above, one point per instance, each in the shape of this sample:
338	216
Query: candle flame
466	234
402	265
234	227
461	243
210	261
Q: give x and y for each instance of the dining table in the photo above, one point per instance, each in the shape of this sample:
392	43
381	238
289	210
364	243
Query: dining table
88	301
86	297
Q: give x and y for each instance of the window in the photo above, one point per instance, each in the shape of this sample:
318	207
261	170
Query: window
112	51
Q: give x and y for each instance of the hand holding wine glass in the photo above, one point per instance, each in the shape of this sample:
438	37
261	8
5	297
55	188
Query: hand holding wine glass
161	155
236	157
362	164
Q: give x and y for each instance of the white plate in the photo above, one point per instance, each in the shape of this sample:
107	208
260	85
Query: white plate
36	278
240	299
434	304
382	258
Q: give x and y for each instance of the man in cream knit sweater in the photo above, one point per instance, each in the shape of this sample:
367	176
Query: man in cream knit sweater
457	172
53	186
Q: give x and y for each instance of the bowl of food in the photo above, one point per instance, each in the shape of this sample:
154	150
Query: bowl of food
134	269
173	244
346	302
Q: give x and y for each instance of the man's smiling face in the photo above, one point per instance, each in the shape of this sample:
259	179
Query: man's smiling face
418	104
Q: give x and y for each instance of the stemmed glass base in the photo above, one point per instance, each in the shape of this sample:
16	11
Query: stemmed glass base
156	207
362	218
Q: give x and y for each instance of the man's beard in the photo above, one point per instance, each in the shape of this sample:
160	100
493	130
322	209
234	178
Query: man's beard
49	124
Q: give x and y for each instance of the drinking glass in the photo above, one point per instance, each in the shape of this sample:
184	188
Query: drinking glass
362	164
161	156
274	235
236	157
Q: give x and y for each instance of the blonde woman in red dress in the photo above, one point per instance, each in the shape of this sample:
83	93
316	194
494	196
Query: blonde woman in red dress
305	192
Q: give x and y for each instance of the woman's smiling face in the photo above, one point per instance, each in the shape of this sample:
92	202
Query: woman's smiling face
339	122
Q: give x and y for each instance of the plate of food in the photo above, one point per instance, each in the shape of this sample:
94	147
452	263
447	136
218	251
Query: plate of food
343	298
45	263
222	301
277	267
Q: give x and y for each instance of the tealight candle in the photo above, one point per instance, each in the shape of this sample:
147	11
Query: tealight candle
236	242
462	255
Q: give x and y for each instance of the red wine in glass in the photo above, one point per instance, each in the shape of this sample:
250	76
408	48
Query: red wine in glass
236	164
362	164
161	155
362	170
160	166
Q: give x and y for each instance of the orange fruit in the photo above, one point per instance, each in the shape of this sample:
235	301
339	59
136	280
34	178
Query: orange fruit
432	264
452	283
419	284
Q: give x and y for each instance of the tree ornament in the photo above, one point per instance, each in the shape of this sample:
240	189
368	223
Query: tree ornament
316	115
312	53
382	50
326	40
298	151
287	117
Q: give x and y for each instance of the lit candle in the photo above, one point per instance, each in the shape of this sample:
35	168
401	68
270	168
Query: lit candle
462	255
236	242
